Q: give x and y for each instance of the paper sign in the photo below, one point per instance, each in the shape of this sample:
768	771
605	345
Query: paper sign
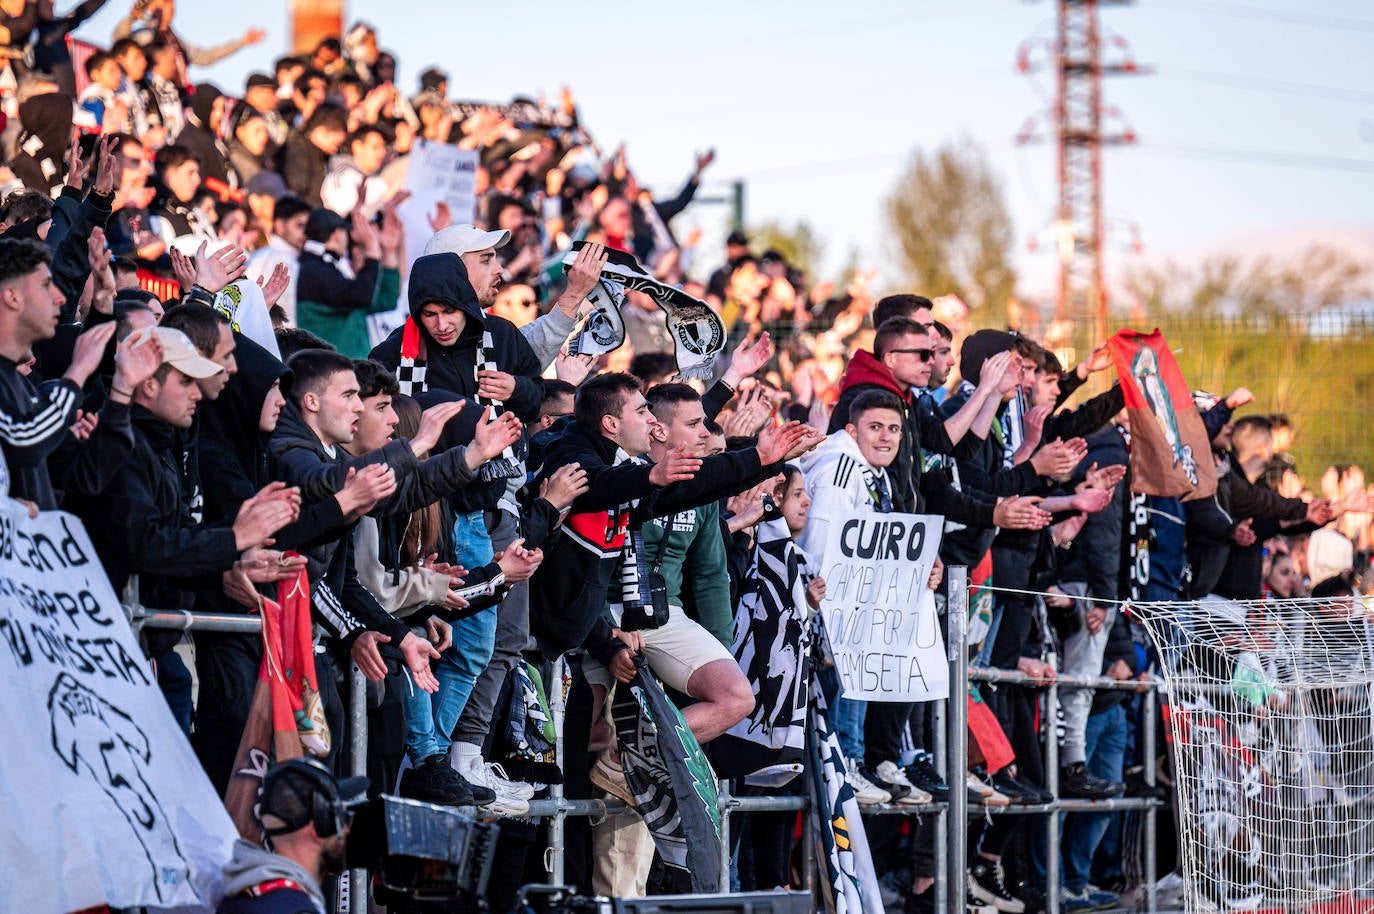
437	172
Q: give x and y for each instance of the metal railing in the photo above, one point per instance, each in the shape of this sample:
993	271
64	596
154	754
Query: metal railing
953	815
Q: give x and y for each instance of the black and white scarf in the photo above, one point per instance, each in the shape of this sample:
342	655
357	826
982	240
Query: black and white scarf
411	375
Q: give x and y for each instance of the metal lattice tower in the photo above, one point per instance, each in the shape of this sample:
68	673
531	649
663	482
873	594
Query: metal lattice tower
1077	60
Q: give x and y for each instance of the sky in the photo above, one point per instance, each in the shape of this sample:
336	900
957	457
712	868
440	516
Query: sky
1256	126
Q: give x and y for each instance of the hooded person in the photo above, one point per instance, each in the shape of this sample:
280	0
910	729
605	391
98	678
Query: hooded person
448	339
900	360
450	343
201	134
234	429
47	121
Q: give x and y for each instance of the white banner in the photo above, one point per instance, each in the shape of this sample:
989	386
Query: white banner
437	172
103	802
880	616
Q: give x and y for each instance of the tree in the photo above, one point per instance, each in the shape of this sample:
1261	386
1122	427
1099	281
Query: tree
1276	326
798	244
1318	278
952	228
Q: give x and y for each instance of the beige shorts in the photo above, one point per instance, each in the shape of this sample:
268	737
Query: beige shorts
675	650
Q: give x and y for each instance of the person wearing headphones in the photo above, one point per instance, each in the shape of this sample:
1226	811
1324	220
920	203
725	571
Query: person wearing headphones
305	815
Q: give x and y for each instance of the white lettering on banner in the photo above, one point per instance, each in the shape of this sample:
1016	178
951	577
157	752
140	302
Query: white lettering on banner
880	617
437	172
105	801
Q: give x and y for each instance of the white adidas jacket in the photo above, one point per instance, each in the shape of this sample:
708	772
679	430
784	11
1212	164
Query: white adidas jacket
840	484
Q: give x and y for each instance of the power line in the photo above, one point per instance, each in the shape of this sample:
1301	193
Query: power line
1263	157
1235	81
1241	11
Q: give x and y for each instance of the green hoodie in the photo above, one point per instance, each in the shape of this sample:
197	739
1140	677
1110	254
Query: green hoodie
691	548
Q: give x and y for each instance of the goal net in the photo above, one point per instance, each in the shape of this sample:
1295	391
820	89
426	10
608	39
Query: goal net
1269	712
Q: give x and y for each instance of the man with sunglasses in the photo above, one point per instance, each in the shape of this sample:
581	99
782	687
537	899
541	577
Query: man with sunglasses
901	362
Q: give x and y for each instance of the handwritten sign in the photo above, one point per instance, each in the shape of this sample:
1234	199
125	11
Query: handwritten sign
880	616
105	803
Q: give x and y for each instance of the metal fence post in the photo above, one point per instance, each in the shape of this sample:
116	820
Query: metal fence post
558	704
942	827
958	740
1052	785
357	900
724	804
1149	709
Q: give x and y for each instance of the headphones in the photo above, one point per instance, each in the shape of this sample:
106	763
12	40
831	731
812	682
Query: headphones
324	808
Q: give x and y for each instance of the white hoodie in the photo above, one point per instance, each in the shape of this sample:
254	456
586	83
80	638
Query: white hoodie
840	483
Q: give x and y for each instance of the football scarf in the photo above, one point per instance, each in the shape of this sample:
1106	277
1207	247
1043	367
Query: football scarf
602	330
411	376
698	332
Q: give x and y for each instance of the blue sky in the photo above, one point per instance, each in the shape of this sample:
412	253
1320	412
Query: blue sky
819	105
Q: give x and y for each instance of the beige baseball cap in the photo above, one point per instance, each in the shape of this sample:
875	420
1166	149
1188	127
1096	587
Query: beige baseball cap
179	352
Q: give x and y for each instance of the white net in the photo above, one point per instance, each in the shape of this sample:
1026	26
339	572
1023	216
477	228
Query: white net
1269	712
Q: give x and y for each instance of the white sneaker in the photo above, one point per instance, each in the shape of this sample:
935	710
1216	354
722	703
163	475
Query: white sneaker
865	791
891	773
515	788
506	802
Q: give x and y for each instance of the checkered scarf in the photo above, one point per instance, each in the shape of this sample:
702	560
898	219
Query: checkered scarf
411	375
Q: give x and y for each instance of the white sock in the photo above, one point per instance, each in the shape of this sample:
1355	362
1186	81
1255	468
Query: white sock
466	755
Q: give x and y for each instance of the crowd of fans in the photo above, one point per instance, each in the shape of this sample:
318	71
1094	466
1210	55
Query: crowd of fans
186	275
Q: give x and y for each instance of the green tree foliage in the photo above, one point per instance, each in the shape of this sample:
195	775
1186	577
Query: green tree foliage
951	227
1284	328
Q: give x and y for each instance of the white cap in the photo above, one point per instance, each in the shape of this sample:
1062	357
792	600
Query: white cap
179	352
464	239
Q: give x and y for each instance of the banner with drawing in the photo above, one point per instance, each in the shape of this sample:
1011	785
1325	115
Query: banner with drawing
104	801
880	617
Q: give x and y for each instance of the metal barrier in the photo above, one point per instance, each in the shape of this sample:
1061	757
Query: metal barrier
952	822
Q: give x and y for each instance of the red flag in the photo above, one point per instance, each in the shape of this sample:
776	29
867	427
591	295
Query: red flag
1170	452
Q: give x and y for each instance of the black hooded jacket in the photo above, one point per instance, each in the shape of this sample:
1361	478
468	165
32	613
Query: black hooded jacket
200	139
443	279
238	455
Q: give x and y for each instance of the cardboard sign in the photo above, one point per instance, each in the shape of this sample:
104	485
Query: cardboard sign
880	617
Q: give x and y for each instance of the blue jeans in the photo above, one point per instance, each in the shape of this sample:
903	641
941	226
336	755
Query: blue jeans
474	637
1106	744
422	739
846	715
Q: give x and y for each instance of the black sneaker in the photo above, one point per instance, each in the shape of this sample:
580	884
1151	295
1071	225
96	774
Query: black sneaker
1136	786
898	791
1077	782
985	884
435	781
1021	792
923	775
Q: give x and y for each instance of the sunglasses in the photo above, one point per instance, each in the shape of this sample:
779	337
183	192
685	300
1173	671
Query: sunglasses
925	355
